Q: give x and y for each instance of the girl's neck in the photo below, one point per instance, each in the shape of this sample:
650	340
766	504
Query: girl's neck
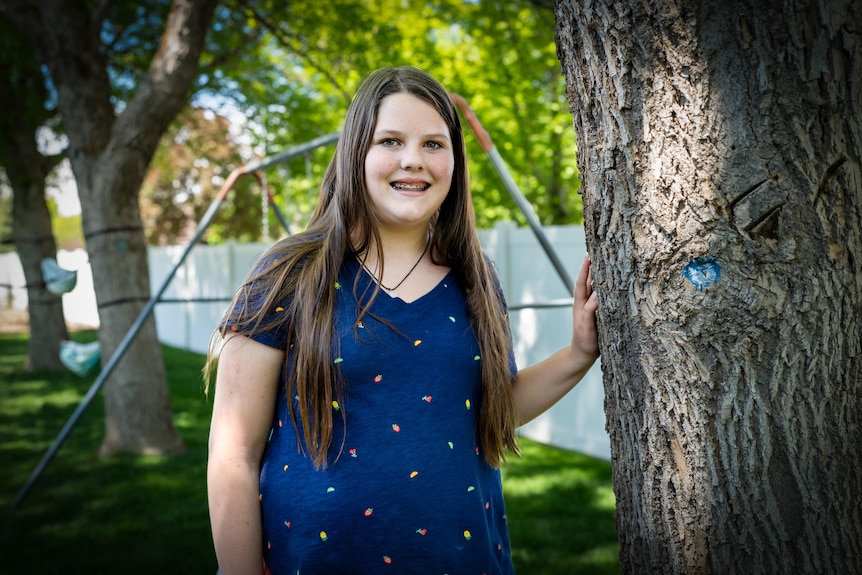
407	270
399	257
399	246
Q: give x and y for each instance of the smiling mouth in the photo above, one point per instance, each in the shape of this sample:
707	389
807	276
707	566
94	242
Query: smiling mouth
410	187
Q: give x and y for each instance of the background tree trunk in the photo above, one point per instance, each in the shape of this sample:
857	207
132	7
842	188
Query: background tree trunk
109	152
34	240
22	96
728	131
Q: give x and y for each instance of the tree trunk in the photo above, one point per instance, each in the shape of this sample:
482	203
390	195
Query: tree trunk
34	240
137	412
719	145
109	154
22	93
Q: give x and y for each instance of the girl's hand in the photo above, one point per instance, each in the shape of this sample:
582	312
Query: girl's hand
585	338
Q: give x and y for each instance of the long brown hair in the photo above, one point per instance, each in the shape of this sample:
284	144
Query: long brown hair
301	271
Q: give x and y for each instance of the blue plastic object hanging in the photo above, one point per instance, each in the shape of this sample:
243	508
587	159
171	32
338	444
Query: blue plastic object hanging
81	358
57	279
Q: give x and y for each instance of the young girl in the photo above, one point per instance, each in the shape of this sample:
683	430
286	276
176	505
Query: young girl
365	391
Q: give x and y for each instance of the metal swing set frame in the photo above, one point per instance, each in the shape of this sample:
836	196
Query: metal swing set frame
256	168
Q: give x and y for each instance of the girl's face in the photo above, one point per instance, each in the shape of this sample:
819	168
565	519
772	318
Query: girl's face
409	165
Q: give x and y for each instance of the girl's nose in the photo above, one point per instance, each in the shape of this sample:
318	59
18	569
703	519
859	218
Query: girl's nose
411	158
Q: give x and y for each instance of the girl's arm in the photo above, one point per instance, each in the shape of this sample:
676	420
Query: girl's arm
540	386
245	395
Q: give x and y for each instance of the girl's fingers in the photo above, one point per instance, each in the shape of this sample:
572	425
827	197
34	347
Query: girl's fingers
584	283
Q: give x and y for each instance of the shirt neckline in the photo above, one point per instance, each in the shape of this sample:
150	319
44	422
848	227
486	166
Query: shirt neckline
360	269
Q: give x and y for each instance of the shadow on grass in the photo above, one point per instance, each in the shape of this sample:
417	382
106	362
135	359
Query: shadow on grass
148	514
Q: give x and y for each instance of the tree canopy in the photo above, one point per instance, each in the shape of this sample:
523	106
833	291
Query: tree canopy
285	74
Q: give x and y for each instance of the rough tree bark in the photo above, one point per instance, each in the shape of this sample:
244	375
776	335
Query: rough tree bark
110	151
726	135
22	95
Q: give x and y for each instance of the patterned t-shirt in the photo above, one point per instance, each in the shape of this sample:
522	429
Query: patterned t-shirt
410	491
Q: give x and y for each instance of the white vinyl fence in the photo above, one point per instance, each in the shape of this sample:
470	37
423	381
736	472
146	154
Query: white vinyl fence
577	422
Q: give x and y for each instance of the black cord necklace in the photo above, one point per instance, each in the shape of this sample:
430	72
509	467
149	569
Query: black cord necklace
398	285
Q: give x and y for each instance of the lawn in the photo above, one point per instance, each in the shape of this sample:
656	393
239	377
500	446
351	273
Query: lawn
148	514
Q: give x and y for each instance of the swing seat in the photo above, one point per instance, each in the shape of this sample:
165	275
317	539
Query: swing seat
57	279
80	358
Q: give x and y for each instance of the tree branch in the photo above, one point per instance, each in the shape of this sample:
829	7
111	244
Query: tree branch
164	90
98	15
283	38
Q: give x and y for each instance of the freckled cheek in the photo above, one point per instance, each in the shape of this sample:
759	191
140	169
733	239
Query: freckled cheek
379	166
442	168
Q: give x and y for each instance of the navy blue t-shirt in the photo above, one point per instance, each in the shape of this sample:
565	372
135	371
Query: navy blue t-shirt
407	489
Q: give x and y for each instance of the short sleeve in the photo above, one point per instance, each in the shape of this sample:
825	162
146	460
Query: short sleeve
272	329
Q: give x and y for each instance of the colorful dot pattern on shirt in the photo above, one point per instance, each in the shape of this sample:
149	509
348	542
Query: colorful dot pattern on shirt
404	491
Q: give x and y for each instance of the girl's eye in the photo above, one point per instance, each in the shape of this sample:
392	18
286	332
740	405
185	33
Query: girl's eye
389	142
434	145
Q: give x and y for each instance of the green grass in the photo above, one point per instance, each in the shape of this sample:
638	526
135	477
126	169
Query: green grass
560	506
146	514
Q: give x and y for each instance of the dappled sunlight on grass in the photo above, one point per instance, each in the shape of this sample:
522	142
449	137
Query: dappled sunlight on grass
128	514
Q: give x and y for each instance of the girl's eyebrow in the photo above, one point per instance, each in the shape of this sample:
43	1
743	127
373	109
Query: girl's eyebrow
396	133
